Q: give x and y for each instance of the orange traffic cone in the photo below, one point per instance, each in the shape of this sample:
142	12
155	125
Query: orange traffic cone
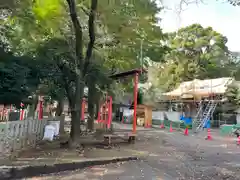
209	136
186	131
238	141
170	130
162	125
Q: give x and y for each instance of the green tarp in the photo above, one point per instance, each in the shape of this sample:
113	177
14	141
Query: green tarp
227	129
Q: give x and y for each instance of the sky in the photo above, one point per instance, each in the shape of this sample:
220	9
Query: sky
220	15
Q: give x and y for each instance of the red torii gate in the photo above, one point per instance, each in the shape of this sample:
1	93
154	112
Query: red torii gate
104	113
135	73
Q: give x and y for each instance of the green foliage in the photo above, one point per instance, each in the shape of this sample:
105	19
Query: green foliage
140	97
18	78
47	9
196	52
41	29
127	23
7	4
124	24
233	96
33	22
53	55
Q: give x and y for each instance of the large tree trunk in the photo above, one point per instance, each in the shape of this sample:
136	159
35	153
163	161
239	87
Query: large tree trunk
91	98
76	113
81	63
75	101
75	109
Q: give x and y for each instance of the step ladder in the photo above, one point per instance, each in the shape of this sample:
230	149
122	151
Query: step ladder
203	115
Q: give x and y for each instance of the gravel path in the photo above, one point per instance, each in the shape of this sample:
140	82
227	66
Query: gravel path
134	170
168	156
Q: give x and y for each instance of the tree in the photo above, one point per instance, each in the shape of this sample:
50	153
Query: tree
81	63
98	84
46	19
233	65
234	2
18	78
134	38
120	48
61	43
233	97
196	52
130	24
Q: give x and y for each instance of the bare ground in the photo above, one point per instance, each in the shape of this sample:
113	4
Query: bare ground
166	156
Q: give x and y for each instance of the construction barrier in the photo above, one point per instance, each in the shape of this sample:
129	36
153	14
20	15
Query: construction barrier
226	129
175	124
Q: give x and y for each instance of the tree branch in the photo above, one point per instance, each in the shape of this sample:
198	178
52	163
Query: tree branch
78	33
66	82
234	2
183	4
91	31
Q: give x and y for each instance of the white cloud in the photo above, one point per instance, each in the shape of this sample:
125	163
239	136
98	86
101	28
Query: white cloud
223	17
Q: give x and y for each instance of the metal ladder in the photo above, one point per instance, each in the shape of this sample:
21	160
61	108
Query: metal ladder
200	109
201	118
196	119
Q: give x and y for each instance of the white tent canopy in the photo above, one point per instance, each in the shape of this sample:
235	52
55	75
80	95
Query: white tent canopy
198	87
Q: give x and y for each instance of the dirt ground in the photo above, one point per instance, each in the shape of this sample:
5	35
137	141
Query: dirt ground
167	156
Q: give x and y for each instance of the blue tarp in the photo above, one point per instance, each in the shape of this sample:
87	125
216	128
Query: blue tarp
207	124
187	121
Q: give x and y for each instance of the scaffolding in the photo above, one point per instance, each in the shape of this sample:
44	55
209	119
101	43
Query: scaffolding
205	94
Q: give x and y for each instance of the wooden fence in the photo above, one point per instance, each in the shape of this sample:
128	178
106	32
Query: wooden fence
19	135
